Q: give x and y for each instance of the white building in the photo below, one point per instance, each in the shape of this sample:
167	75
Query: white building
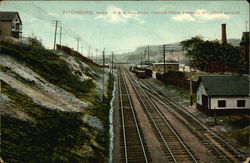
227	93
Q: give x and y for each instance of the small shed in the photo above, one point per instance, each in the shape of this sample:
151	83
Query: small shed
223	93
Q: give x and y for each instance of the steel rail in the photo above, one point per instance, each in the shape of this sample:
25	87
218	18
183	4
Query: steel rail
181	108
123	123
164	120
121	76
136	123
192	128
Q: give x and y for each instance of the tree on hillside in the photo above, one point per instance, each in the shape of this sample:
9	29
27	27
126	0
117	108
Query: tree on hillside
203	53
34	41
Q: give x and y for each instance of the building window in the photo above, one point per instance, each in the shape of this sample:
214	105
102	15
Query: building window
221	103
241	103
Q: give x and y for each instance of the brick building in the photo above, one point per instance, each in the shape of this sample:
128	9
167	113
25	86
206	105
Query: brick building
244	48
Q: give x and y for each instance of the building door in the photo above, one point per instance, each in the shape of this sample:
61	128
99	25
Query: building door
204	102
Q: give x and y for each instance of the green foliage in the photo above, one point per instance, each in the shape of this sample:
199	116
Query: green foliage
49	66
204	53
6	69
190	44
33	41
241	135
52	136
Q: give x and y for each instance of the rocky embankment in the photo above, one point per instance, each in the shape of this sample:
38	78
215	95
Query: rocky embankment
51	106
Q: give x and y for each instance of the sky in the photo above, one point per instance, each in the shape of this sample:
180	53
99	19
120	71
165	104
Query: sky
123	26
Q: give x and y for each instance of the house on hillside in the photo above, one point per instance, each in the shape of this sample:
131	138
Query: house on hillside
10	24
223	94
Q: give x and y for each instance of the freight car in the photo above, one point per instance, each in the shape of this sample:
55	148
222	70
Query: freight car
141	74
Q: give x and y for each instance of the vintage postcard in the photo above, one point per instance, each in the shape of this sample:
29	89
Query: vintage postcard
124	81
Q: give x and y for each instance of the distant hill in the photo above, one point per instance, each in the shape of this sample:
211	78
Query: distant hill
154	54
234	41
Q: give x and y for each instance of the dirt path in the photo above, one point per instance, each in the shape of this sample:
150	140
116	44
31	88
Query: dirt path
116	127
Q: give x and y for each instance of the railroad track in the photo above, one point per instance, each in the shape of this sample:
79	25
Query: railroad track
175	149
224	151
132	146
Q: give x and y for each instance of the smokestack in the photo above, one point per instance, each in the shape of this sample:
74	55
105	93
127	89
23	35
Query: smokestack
223	33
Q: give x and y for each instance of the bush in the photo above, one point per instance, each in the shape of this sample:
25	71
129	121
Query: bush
50	66
45	139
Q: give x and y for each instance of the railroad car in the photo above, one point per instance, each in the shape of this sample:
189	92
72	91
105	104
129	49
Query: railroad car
141	74
148	73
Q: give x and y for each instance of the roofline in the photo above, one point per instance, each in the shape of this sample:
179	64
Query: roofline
161	63
228	95
19	18
13	12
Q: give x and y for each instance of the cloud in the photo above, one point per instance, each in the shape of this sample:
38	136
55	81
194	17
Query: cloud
117	15
52	14
183	18
200	16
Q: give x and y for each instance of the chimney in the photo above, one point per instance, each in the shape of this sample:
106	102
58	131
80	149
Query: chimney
223	33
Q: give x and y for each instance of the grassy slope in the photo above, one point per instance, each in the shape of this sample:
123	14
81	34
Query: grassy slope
46	139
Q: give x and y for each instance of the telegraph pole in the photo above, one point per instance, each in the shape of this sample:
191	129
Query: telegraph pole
55	35
141	59
61	37
148	53
103	65
164	58
112	60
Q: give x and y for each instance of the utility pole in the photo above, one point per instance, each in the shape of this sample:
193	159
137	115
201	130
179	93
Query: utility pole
103	65
148	53
55	35
164	59
61	37
191	89
77	43
112	60
141	59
